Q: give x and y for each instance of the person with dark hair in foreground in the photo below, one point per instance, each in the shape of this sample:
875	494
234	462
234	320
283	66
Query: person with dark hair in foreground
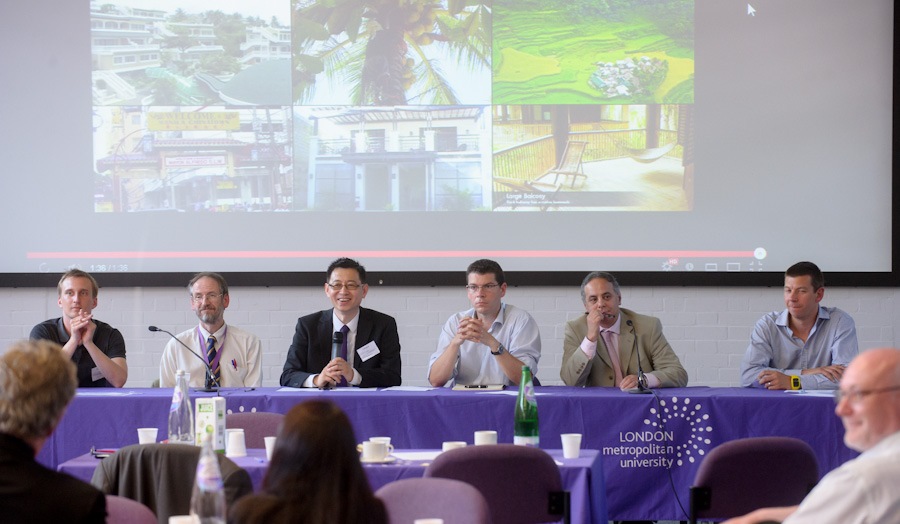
806	346
37	382
864	489
370	352
315	475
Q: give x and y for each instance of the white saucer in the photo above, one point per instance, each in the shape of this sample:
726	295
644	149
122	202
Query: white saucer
385	460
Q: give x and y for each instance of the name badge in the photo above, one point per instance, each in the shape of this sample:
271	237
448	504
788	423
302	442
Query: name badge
96	374
368	351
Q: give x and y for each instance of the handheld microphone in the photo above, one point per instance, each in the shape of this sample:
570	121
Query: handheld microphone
337	340
643	385
211	383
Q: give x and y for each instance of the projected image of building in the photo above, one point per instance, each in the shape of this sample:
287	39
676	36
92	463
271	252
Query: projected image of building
160	52
209	159
406	158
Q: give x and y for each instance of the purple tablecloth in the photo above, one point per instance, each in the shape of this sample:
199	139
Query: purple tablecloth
582	477
642	439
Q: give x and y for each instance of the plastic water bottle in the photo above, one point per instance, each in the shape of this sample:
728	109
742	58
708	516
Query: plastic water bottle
526	422
208	497
181	414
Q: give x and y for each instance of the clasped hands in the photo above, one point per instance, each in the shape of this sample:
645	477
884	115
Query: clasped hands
82	327
333	372
473	330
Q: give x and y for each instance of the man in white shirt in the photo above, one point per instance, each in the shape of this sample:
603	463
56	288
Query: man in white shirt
864	489
233	354
489	343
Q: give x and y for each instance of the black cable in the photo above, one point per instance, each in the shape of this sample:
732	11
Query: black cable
662	426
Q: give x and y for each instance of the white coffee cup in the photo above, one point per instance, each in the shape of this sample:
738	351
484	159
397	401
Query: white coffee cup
485	438
386	441
147	435
373	451
452	444
236	445
270	447
571	445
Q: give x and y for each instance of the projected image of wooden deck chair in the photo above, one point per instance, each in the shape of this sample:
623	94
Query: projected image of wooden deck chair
570	164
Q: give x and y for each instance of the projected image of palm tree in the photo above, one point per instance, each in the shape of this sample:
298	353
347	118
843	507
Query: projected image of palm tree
590	51
391	52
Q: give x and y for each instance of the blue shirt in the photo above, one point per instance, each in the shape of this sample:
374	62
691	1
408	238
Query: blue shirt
513	327
773	345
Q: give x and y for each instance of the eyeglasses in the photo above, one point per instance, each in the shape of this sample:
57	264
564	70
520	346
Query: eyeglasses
209	296
472	288
855	396
349	286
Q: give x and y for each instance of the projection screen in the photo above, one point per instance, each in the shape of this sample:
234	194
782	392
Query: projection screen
681	141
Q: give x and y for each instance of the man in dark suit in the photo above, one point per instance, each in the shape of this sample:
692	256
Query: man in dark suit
37	382
371	342
587	360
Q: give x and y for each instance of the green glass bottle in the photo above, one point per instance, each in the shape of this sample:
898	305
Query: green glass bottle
526	422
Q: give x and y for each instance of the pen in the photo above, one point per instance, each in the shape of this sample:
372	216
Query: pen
234	363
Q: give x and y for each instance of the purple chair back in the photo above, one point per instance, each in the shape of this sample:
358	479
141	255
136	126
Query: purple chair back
737	477
518	482
120	510
417	498
257	426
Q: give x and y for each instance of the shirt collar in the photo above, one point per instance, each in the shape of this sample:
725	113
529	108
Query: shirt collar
617	325
782	319
336	322
218	334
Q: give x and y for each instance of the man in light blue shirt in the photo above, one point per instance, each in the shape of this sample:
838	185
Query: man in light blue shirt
489	343
806	346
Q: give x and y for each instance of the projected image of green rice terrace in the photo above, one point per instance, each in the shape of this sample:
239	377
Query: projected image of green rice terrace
589	51
593	157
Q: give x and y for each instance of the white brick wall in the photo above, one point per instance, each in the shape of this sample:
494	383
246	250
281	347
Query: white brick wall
708	327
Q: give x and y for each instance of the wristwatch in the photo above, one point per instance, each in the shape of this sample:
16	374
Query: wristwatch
795	382
500	350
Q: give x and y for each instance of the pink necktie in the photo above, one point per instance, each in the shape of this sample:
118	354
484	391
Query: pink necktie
612	347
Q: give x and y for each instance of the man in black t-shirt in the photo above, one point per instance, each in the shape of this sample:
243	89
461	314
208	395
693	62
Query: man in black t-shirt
97	348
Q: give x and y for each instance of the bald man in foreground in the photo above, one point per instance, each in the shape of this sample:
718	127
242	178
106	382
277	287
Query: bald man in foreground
863	490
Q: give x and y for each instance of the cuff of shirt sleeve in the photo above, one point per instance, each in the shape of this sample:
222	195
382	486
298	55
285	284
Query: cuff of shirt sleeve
310	381
357	378
589	348
652	380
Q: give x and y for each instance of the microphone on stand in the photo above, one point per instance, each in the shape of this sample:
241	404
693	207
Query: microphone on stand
212	384
643	385
337	340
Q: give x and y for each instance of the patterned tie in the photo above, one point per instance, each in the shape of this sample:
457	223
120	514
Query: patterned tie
612	348
345	330
211	357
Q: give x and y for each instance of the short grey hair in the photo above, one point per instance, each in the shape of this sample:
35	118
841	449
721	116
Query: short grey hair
223	286
600	274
